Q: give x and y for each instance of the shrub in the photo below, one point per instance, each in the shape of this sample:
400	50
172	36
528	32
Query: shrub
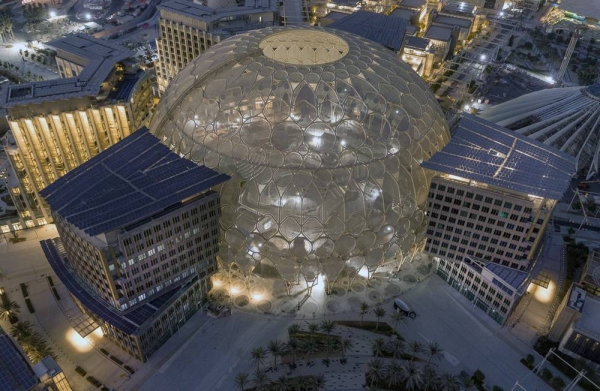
80	370
115	359
129	369
30	306
557	383
50	281
546	374
478	377
524	362
94	381
104	351
55	293
530	359
497	388
24	290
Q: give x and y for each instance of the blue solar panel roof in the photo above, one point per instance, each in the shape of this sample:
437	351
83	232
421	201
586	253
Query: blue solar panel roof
15	373
376	27
128	182
514	278
485	152
128	322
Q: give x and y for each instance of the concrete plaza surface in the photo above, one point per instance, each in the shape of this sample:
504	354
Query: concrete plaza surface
213	351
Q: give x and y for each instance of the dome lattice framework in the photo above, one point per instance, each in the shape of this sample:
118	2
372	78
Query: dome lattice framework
565	118
322	132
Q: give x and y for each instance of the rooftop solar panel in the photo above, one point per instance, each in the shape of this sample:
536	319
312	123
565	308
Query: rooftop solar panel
379	28
15	373
128	182
485	152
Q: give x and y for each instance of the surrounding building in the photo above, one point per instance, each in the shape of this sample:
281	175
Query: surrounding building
419	54
330	111
188	28
490	203
138	230
565	118
57	125
576	324
51	374
15	372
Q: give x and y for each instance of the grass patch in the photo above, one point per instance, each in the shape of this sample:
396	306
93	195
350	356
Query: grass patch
384	328
80	371
55	293
29	306
24	290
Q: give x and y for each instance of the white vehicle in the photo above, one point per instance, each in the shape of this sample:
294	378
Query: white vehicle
401	306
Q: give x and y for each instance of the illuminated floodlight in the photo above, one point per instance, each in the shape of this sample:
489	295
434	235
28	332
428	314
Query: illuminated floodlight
88	16
52	14
483	57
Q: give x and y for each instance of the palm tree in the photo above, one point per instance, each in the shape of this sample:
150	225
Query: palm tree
448	382
9	309
21	330
241	380
329	346
378	347
277	349
310	347
327	326
398	317
412	376
434	352
415	348
375	371
363	310
282	384
393	373
467	384
293	347
313	328
397	348
345	345
260	381
430	378
379	313
294	329
258	355
317	381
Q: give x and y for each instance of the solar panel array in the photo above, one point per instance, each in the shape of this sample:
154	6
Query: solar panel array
15	373
485	152
380	28
511	276
130	181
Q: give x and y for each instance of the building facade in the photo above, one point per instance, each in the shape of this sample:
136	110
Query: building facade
488	208
151	256
187	29
59	124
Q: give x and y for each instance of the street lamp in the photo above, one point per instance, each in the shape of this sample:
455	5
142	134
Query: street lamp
88	16
483	57
52	14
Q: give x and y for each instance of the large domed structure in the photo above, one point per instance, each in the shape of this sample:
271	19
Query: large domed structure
322	132
565	118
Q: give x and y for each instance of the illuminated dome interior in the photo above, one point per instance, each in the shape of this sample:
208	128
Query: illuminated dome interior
322	133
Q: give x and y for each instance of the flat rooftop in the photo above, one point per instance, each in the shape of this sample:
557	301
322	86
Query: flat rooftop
101	58
379	28
132	180
403	13
206	14
416	43
412	3
512	277
438	33
590	316
15	373
453	21
482	151
460	7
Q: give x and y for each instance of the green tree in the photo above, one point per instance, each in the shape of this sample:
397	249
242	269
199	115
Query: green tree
412	376
434	352
317	382
293	347
431	379
258	356
375	371
415	348
448	382
363	310
294	329
241	380
345	345
393	374
397	348
8	308
398	317
277	349
327	326
260	381
379	313
378	347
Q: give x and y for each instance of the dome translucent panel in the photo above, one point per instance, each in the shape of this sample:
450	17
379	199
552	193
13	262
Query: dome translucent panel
322	133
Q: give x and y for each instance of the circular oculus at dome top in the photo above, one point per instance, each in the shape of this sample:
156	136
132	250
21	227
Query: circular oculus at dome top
309	48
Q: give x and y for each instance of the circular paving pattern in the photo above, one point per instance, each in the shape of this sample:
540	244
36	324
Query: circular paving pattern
332	306
375	296
375	281
358	287
354	302
241	301
287	306
310	307
392	290
338	292
238	285
423	269
409	279
264	305
220	293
